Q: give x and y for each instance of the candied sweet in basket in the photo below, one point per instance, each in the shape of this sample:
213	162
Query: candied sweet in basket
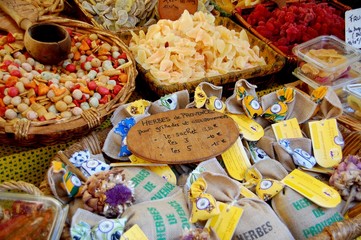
91	76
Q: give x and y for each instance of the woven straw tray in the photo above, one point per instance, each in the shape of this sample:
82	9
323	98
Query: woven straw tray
291	59
274	63
33	133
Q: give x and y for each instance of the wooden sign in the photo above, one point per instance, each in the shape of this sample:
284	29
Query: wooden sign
182	136
173	9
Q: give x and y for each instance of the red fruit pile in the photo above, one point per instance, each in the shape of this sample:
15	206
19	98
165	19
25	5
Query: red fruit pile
296	23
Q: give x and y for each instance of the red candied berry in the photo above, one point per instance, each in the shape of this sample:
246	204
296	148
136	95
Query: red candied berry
10	38
103	90
70	67
117	89
13	91
270	26
15	73
264	31
104	99
92	85
2	111
284	49
41	118
89	58
290	17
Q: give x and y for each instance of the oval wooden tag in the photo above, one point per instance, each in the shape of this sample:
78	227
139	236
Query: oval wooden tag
173	9
182	136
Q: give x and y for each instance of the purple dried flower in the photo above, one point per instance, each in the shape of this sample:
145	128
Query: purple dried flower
118	195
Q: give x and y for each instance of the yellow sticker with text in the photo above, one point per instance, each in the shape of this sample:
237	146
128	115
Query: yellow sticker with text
315	190
226	222
287	129
249	128
326	142
134	233
236	160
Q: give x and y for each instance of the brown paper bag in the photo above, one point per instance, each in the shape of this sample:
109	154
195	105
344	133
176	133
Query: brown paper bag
258	220
330	106
271	168
166	218
303	218
233	104
148	185
177	100
301	108
285	158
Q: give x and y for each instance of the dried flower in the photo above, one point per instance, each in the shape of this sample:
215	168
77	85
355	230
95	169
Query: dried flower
118	195
347	179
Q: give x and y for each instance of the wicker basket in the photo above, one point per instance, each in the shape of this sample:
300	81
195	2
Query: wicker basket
48	7
31	133
123	32
291	59
274	63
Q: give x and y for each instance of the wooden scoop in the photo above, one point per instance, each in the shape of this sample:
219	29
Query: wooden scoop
47	43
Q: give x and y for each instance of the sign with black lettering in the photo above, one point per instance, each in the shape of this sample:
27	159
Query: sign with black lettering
173	9
353	27
182	136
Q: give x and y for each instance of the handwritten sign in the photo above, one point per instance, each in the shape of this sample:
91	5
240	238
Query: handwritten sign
182	136
353	27
173	9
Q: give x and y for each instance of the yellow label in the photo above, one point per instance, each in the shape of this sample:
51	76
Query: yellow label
236	160
318	169
134	233
165	172
287	129
248	127
136	161
326	142
247	193
226	222
313	189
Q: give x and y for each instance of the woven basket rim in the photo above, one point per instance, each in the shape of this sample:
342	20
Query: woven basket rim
47	127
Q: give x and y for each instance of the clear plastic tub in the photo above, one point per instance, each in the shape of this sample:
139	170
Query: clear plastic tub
325	59
350	96
31	217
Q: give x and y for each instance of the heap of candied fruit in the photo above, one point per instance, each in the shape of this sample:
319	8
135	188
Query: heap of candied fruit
91	76
296	23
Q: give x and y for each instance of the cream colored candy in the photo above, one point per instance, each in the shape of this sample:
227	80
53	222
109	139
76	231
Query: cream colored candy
68	99
61	106
22	107
77	111
77	94
31	115
10	114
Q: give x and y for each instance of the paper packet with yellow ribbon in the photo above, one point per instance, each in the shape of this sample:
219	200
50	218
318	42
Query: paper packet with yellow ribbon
208	96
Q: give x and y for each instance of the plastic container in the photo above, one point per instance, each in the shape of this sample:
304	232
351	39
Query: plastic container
350	96
325	59
351	76
40	217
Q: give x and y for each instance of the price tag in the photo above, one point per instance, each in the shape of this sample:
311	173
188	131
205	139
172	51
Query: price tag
226	222
326	142
287	129
249	128
353	27
236	161
173	9
134	233
313	189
